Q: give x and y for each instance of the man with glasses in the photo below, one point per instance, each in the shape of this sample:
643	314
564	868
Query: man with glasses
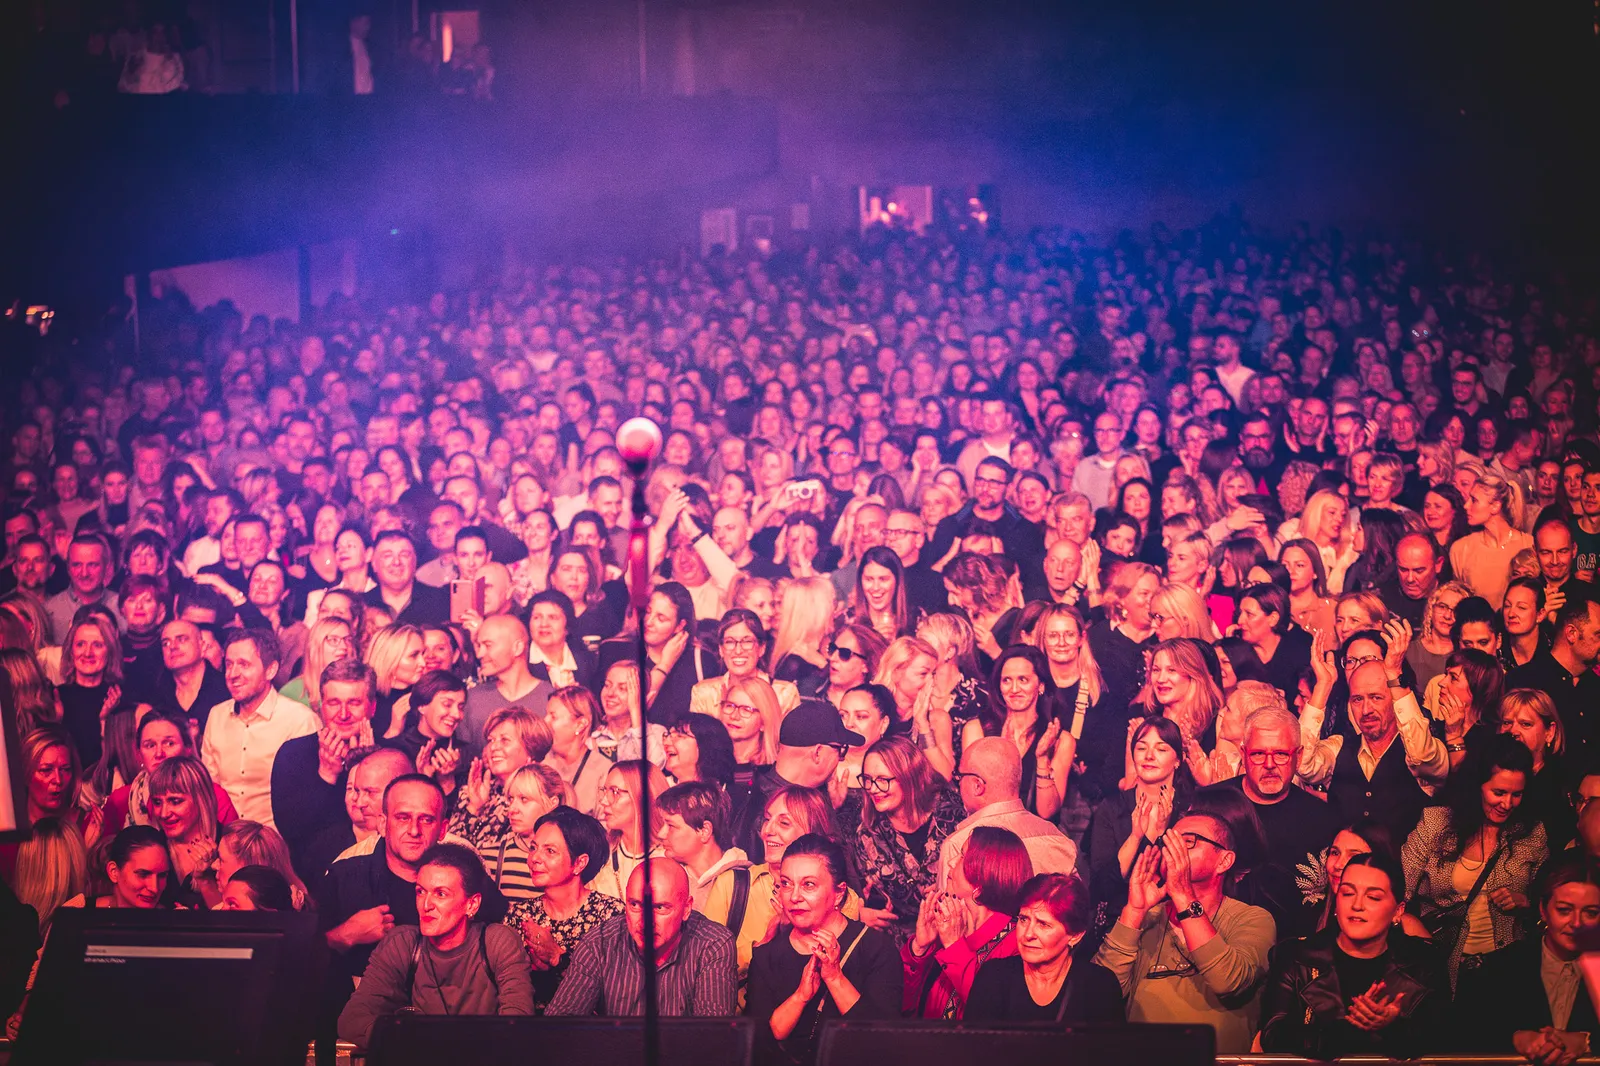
990	782
1093	477
1297	826
988	512
1185	952
843	457
811	742
905	534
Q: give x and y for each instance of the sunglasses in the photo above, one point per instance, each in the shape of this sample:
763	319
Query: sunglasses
844	655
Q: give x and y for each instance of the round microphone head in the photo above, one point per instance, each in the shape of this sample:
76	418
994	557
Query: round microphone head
638	439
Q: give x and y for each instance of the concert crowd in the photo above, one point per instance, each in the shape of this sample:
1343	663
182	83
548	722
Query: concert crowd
1192	627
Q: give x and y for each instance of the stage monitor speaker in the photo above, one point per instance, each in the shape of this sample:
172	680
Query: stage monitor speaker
918	1043
427	1040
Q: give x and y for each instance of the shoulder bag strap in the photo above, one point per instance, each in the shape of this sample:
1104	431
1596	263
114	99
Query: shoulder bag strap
816	1004
740	902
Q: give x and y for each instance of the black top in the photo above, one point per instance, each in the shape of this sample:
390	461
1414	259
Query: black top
80	714
1090	994
304	806
775	968
213	690
1305	1001
427	606
1504	994
1577	699
1121	664
1289	661
1298	828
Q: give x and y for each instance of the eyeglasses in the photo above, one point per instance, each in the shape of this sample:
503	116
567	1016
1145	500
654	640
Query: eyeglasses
1353	661
1157	619
1191	839
957	776
1000	481
844	655
740	643
902	533
874	783
842	748
1270	758
739	710
613	792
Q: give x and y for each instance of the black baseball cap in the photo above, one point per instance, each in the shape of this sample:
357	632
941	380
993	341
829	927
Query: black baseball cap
816	722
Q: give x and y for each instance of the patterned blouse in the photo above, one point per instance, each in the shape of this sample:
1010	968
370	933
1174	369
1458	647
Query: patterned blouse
489	825
905	870
596	909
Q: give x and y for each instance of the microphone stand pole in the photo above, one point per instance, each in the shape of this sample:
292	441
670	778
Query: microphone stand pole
639	595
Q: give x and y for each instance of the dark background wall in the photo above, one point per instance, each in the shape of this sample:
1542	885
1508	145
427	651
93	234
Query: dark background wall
1471	121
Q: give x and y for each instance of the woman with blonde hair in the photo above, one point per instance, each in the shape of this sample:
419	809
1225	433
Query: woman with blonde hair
31	692
757	595
513	737
1482	560
907	671
938	503
1180	687
1178	611
805	614
1356	611
531	793
742	644
183	806
1436	462
1325	522
618	811
246	843
29	613
91	671
957	686
1433	645
52	868
397	658
980	586
330	639
1530	716
750	712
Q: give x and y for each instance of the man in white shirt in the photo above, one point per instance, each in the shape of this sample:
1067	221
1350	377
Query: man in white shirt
1231	371
243	734
990	780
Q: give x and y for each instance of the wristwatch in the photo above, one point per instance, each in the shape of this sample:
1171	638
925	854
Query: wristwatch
1195	909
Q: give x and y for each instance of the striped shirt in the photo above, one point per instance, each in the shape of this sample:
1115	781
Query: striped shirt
606	975
507	863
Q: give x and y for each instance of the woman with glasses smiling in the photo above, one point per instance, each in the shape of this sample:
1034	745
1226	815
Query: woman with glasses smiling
742	643
750	713
907	813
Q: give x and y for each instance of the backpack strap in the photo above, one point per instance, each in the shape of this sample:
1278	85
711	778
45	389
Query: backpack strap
741	900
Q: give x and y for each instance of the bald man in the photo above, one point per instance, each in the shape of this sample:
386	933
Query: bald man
1417	565
502	646
1398	765
696	971
187	683
990	779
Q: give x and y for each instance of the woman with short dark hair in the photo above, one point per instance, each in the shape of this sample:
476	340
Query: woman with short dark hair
1043	982
1360	986
820	964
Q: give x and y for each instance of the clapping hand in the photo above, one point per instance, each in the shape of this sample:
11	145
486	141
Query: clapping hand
1175	860
1145	889
543	949
1374	1009
825	952
476	792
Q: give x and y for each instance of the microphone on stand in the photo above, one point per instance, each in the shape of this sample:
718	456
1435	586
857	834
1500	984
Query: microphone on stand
638	441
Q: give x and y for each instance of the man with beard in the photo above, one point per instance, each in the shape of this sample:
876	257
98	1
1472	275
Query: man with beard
1296	825
1231	371
1259	452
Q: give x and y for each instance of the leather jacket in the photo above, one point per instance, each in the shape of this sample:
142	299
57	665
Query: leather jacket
1303	1008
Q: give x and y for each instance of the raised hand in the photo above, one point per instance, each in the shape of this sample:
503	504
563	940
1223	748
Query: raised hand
1045	749
476	792
1144	882
927	930
1397	633
810	979
332	748
825	953
109	704
1175	859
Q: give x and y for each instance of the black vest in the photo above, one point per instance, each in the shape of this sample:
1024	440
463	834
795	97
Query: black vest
1393	796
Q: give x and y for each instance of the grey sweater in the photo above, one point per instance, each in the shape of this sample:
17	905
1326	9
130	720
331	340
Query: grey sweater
453	982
